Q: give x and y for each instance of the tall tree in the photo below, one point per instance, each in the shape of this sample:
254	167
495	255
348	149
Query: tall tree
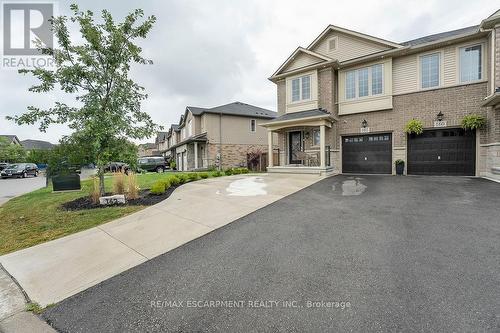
96	71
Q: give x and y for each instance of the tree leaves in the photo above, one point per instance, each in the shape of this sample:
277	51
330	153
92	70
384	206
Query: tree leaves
96	72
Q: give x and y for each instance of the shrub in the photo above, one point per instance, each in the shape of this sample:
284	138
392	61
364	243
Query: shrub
173	165
228	172
158	188
243	170
212	168
236	171
397	162
182	178
166	183
414	126
473	121
217	174
204	175
174	180
118	183
94	192
132	186
193	176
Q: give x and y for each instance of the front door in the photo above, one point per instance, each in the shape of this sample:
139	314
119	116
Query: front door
295	146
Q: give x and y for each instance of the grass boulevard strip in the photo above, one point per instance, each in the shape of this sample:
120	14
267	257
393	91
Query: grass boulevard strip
22	226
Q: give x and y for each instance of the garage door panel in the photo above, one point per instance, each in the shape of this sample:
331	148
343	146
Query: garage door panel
367	153
442	152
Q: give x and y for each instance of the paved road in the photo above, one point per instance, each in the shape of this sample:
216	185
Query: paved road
12	187
407	253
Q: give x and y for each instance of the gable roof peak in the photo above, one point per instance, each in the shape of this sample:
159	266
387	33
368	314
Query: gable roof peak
361	35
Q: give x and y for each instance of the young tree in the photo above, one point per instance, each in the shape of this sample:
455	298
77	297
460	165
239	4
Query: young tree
96	72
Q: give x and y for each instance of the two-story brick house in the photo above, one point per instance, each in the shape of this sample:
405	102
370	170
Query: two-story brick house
219	136
343	103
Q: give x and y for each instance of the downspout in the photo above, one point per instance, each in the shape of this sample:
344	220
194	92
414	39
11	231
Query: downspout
220	141
492	60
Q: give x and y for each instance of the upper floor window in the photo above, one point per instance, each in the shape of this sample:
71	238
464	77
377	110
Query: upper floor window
363	82
470	63
301	88
253	126
366	81
429	70
350	85
377	79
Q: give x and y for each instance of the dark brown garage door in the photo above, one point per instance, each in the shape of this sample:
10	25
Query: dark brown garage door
367	153
442	152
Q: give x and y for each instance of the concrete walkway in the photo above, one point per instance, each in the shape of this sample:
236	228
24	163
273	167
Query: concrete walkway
13	315
55	270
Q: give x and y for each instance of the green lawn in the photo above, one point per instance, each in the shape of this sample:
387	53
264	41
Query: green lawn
36	217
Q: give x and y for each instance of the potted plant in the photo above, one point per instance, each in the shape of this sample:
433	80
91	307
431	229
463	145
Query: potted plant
473	121
414	126
400	167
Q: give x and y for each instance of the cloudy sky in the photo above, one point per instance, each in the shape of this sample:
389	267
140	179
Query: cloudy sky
208	53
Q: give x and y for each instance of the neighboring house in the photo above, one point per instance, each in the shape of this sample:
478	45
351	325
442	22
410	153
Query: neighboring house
37	145
148	149
344	100
161	142
221	136
12	139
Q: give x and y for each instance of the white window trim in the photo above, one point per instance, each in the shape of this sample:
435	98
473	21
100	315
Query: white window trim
336	38
254	121
483	62
356	83
441	69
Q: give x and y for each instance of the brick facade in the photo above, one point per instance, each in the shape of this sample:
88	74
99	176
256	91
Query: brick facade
233	155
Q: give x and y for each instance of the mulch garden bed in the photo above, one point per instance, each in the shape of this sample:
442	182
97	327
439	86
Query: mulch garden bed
145	199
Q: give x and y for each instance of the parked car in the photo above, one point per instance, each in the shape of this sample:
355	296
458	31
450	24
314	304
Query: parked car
154	163
3	166
20	170
116	166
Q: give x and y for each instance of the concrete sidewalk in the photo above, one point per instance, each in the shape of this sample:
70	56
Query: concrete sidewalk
57	269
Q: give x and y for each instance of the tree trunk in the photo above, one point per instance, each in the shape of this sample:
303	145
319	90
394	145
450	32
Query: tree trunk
101	181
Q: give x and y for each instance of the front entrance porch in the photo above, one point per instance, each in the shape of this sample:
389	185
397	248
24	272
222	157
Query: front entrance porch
304	143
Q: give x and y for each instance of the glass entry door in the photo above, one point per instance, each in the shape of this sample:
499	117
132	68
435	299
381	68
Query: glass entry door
295	147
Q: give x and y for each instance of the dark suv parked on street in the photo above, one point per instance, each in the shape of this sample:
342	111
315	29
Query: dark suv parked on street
153	163
20	170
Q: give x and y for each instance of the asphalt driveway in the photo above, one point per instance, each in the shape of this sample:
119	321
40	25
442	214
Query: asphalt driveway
368	253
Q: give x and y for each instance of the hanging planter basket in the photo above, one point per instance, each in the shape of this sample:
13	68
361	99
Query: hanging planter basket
473	121
414	126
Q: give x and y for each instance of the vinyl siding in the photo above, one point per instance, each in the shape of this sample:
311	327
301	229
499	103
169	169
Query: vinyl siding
301	60
235	130
348	47
406	69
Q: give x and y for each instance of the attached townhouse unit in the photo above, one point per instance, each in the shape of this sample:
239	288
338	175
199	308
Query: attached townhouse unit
344	101
221	136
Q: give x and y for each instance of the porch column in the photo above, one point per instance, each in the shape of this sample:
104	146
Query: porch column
322	151
196	155
270	148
